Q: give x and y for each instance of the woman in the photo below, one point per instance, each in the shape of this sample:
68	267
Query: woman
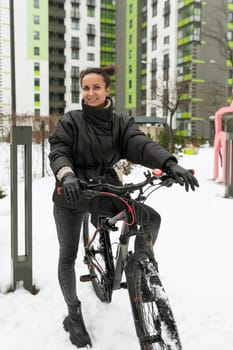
86	144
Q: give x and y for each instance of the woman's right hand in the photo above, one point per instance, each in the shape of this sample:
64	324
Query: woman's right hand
71	187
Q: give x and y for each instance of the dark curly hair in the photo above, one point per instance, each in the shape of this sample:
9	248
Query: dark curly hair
106	73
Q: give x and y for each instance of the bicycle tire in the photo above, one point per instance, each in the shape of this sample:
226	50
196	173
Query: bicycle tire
154	321
99	260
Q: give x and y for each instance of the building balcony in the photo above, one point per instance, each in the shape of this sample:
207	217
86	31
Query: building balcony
56	104
56	12
60	44
56	74
56	28
57	58
56	89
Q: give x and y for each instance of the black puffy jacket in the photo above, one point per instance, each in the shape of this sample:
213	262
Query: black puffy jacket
91	141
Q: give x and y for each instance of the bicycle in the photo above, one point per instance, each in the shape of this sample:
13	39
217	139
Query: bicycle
155	325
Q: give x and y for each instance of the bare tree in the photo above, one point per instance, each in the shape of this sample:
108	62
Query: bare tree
169	98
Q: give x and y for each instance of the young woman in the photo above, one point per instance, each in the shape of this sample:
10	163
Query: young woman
85	144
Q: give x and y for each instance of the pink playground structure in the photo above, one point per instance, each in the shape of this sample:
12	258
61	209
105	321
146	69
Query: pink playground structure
220	141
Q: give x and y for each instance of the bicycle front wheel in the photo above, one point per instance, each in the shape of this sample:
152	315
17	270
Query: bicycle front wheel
99	259
154	321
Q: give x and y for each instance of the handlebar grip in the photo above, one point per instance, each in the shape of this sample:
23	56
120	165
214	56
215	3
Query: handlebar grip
86	194
59	191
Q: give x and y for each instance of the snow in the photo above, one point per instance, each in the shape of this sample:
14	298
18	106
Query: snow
194	252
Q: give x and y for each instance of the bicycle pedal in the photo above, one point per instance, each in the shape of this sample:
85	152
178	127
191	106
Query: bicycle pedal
87	278
124	285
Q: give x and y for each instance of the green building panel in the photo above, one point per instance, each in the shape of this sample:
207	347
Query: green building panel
131	53
38	33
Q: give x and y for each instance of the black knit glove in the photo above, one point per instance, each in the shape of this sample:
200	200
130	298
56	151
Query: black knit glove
181	175
71	187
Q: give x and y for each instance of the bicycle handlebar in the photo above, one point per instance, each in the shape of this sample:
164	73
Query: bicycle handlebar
95	186
151	176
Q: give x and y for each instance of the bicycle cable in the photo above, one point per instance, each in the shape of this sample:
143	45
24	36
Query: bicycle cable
128	206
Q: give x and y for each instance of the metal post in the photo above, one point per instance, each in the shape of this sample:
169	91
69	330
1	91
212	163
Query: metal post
21	264
229	165
12	48
43	146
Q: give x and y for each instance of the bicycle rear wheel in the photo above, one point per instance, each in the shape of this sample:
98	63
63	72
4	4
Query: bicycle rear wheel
99	259
154	321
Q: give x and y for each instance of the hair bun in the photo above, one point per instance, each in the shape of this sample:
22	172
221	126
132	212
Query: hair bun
111	69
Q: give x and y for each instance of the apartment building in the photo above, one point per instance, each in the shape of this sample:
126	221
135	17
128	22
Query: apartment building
202	63
146	54
158	45
54	41
169	49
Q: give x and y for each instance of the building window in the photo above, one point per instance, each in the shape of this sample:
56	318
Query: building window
166	67
37	97
130	84
75	23
90	40
36	35
154	44
37	111
75	54
130	99
166	40
75	97
130	69
90	56
36	19
74	84
36	51
166	20
37	83
36	4
154	8
90	11
75	42
74	71
36	67
90	29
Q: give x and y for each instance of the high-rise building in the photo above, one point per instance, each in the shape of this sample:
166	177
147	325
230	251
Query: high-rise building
54	41
146	54
161	48
166	50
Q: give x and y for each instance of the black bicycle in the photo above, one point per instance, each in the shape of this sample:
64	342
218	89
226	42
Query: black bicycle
153	318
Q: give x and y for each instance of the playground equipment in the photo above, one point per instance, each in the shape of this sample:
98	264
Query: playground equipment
223	142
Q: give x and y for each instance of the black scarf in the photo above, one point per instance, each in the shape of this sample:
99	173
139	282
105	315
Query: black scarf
101	117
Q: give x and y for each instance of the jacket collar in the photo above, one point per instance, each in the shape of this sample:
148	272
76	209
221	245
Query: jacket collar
99	116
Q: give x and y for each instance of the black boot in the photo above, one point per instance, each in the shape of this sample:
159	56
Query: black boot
74	324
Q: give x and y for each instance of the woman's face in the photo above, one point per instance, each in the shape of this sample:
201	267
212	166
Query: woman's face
94	90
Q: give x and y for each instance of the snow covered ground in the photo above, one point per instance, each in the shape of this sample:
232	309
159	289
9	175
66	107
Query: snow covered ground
194	252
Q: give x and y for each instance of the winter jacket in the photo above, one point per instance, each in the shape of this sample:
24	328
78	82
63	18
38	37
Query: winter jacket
91	141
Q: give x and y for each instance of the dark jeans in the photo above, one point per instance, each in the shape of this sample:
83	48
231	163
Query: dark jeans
68	223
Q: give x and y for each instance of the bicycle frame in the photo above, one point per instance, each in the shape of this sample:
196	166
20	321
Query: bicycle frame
107	224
